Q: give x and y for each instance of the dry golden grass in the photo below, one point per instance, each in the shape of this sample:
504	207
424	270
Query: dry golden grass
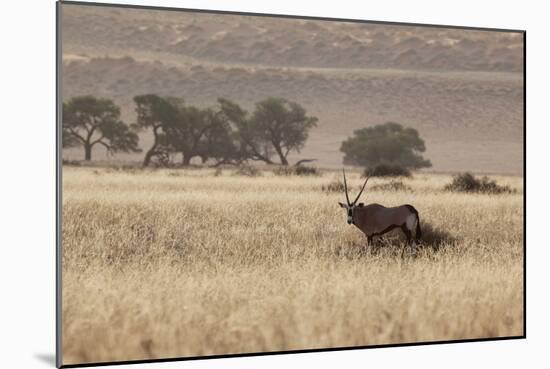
173	263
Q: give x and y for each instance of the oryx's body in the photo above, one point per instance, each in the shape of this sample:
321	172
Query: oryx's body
375	219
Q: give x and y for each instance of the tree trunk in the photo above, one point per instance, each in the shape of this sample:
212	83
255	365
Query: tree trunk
148	156
186	160
87	152
151	152
281	155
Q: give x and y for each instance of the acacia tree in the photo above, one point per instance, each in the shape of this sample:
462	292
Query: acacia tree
226	134
221	142
155	113
186	134
250	144
89	121
388	143
281	123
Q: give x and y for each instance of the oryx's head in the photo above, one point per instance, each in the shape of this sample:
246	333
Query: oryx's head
350	206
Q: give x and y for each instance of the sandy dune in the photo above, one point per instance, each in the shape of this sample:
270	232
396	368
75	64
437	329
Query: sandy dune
463	90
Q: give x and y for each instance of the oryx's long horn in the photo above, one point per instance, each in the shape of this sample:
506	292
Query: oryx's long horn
346	186
360	192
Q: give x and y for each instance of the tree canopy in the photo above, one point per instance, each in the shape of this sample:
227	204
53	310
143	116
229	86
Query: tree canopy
249	146
154	112
89	121
388	143
282	124
225	133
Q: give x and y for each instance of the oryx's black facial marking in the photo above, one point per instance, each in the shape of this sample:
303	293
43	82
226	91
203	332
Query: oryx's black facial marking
350	206
349	211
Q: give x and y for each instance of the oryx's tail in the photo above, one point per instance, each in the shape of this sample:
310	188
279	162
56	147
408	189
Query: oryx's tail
418	231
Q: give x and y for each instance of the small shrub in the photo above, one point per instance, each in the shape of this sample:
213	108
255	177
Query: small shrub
300	170
466	182
248	171
387	170
75	163
391	186
283	171
334	186
127	168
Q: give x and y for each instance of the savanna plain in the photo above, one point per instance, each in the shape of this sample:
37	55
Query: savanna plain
161	263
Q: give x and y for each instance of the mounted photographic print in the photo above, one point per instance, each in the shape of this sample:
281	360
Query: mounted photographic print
240	184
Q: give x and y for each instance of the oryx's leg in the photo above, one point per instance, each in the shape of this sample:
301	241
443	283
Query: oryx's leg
368	247
407	233
373	246
369	241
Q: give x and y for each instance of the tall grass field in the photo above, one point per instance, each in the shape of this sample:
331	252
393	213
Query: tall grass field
191	262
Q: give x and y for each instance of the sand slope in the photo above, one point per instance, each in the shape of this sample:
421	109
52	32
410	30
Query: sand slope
463	90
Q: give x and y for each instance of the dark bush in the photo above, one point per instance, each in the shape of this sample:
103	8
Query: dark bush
387	170
466	182
385	143
391	186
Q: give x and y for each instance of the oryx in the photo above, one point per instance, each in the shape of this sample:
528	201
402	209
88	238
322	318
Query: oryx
375	219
